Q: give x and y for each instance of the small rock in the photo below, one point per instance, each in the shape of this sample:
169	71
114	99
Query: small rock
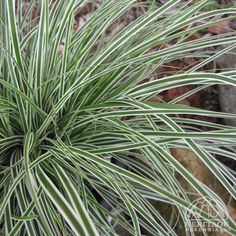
199	170
227	94
228	102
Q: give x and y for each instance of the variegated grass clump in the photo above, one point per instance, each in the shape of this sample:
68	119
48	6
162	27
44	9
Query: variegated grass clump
67	118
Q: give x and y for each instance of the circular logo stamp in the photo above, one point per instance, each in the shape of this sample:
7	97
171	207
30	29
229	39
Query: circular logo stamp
214	208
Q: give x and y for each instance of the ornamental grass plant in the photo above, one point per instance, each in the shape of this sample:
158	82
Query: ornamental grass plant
82	147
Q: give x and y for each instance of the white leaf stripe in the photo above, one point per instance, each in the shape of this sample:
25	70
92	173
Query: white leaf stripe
61	203
77	203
